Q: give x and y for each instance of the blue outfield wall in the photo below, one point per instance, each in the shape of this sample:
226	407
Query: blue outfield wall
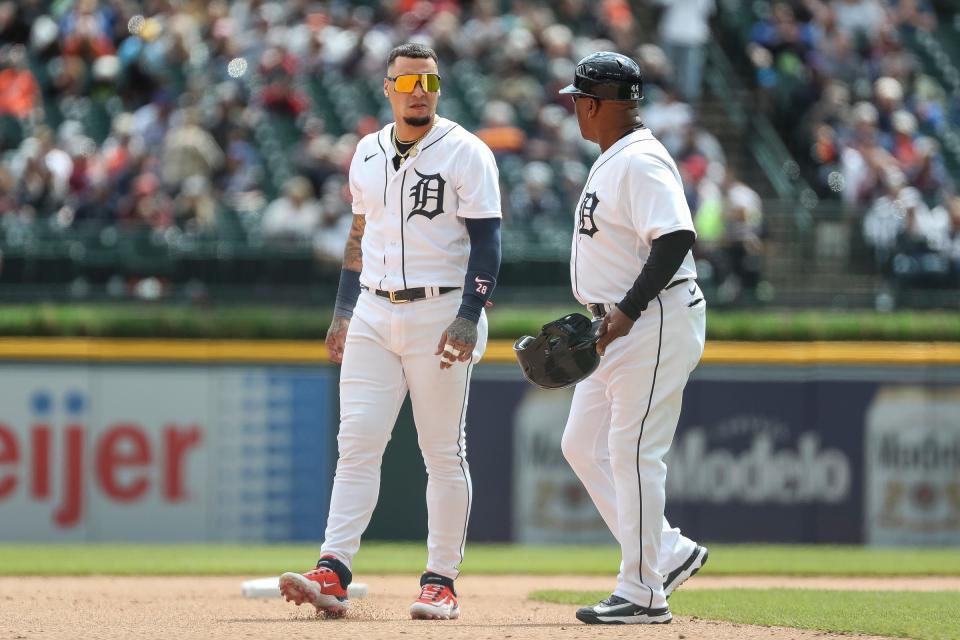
206	452
836	454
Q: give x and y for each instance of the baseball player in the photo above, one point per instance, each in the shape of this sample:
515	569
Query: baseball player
420	264
631	266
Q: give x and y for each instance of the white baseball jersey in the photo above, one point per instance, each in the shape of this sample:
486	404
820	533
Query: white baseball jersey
414	235
633	195
623	416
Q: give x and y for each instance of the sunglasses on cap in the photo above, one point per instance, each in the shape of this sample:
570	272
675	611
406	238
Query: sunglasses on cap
407	82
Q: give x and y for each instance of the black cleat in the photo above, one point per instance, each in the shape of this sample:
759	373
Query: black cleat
616	610
685	571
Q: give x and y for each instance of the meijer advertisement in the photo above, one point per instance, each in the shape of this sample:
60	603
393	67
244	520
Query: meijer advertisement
163	453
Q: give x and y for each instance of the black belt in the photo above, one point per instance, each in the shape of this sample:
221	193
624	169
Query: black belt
414	294
599	309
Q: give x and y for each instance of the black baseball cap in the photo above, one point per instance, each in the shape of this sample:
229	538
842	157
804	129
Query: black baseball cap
606	75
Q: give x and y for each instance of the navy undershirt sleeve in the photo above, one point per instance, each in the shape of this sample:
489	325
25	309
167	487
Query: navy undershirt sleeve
347	293
666	255
483	266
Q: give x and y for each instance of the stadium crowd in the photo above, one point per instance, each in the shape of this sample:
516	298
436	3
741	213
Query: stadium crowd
869	119
221	120
236	121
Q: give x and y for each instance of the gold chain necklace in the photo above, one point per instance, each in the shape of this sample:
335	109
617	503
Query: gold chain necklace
396	141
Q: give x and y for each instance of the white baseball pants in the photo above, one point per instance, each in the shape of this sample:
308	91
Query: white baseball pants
389	351
622	421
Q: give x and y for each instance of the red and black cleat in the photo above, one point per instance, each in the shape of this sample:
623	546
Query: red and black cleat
320	587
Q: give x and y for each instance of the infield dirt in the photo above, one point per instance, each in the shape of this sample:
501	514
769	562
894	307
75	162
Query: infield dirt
493	608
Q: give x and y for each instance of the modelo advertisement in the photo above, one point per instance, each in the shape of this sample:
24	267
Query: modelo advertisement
165	453
913	465
771	455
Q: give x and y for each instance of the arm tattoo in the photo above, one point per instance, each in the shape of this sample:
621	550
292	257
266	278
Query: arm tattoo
352	255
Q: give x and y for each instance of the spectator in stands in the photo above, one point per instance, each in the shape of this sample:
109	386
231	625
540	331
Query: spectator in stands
225	118
335	222
693	169
85	31
884	221
8	199
743	230
242	168
499	130
902	141
657	69
891	58
920	258
887	98
684	30
19	92
914	14
825	153
669	117
69	76
952	250
765	78
220	102
118	149
929	174
533	202
930	104
862	159
148	206
836	58
44	42
195	208
81	150
43	172
860	18
695	140
151	122
833	108
97	205
788	41
311	155
295	216
14	26
278	66
572	176
189	150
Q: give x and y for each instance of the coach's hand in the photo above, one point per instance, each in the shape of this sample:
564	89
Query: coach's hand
457	342
614	325
336	337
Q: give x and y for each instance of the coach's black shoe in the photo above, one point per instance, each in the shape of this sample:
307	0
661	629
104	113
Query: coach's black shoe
685	571
616	610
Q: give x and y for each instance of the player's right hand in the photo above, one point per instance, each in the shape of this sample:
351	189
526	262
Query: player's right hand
336	337
615	325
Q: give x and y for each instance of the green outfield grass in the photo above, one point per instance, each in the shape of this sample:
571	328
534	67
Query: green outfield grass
399	558
921	616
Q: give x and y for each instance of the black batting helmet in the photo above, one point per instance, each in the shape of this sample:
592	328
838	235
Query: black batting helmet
606	75
562	354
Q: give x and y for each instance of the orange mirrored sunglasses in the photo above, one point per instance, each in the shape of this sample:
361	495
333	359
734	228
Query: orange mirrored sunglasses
407	82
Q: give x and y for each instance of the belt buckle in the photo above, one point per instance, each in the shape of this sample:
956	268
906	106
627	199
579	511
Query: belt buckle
393	298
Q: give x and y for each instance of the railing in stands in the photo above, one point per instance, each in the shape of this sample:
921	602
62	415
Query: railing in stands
776	162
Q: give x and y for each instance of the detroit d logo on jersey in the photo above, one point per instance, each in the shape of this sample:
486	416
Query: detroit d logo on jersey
588	205
427	196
